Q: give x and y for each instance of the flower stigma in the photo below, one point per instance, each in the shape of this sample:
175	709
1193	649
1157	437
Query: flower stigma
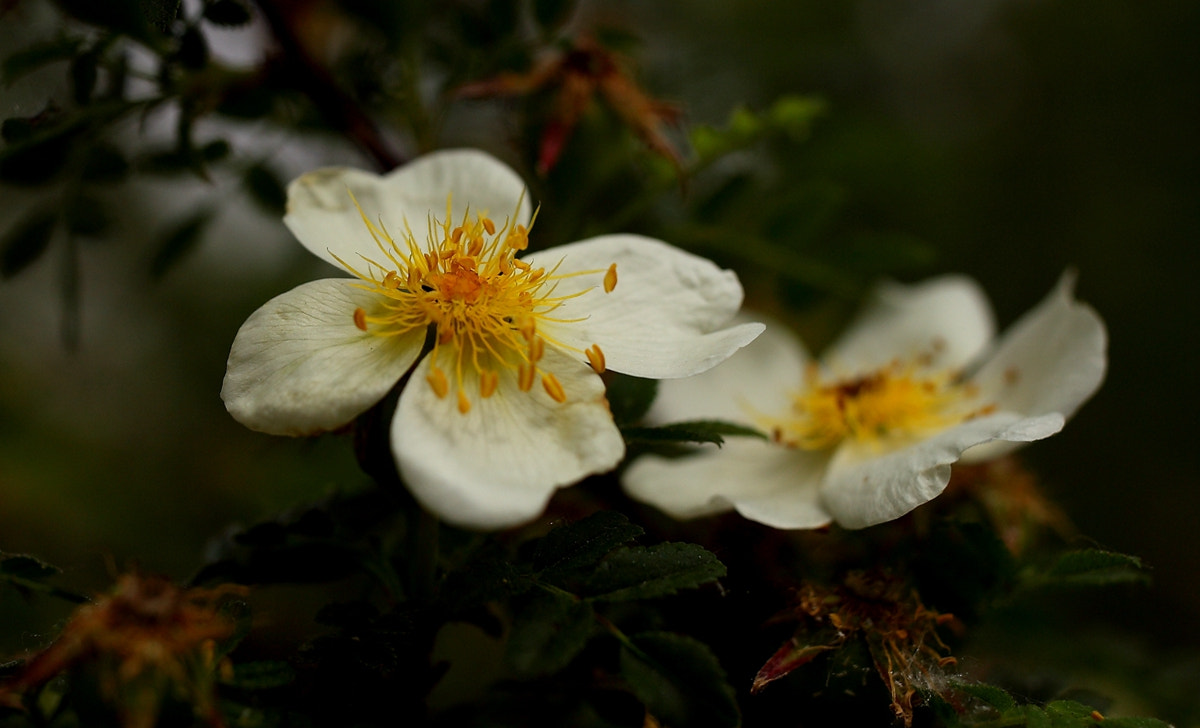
894	402
489	311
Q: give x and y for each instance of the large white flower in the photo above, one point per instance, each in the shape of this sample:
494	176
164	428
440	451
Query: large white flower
508	404
869	433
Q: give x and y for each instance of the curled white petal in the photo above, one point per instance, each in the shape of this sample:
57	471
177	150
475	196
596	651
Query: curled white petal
321	210
666	316
863	488
766	483
754	381
299	365
946	321
498	465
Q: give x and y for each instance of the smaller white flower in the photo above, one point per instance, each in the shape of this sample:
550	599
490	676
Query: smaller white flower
505	402
869	433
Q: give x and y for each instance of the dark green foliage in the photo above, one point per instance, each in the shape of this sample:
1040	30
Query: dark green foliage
704	431
630	398
33	57
576	547
680	681
266	189
549	629
230	13
177	241
26	241
646	572
1087	567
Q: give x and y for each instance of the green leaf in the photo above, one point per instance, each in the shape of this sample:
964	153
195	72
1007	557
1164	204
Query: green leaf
83	76
1069	714
178	241
1135	722
795	115
1089	567
104	163
629	398
266	189
708	431
261	675
33	57
990	694
581	544
549	629
26	241
679	680
27	567
228	13
645	572
551	14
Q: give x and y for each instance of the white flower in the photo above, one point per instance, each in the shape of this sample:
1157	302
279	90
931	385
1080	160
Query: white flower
914	385
508	404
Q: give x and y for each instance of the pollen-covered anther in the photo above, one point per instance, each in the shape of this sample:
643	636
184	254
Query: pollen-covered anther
488	381
438	382
464	404
610	278
517	238
360	319
488	225
595	357
553	388
525	375
537	349
456	235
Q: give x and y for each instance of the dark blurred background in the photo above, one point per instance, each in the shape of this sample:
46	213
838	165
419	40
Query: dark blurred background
1014	138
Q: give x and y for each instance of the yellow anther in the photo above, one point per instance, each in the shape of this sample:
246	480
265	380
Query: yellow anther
391	281
476	247
518	238
528	329
610	278
438	382
553	388
488	381
537	348
489	226
448	252
525	374
520	264
456	235
536	275
595	357
445	333
360	319
464	404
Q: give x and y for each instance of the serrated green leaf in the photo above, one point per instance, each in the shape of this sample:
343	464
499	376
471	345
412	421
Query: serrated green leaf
228	13
581	544
26	567
703	431
645	572
990	694
265	188
1069	714
630	398
178	241
262	675
1089	567
35	56
26	241
679	680
549	629
1033	716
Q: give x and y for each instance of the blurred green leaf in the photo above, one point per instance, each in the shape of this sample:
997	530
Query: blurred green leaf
266	189
706	431
550	14
33	57
1088	567
679	680
26	241
229	13
83	76
990	694
178	241
86	216
581	544
549	629
262	675
630	398
26	567
104	163
646	572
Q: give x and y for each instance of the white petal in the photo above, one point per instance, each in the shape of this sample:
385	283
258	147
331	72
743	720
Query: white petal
947	319
862	489
322	215
767	483
1051	360
299	365
754	381
663	320
498	465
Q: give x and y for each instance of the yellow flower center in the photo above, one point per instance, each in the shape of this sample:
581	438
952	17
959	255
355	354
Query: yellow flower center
487	308
892	403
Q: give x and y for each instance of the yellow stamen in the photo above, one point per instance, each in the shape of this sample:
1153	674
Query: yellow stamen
391	281
438	382
595	357
360	319
488	381
525	374
489	226
464	404
553	388
610	278
537	348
